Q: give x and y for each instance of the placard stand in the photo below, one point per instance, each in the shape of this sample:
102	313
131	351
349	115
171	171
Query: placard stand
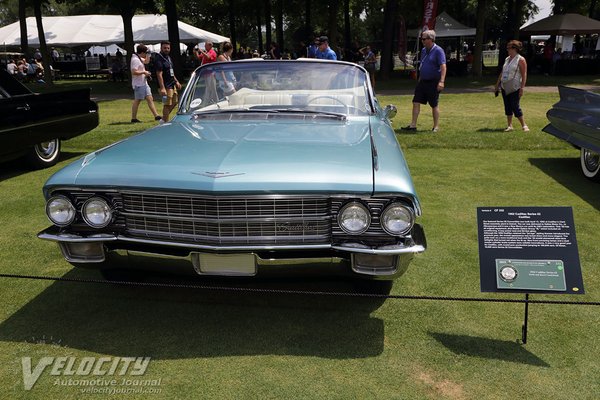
528	249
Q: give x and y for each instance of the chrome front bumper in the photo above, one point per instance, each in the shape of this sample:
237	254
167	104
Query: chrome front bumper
107	250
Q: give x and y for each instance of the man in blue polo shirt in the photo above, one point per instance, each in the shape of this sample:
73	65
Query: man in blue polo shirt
432	76
324	52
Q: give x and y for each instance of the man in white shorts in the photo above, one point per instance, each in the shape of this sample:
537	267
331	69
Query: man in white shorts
139	82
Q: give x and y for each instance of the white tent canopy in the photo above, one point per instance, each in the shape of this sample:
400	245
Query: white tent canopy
446	26
77	30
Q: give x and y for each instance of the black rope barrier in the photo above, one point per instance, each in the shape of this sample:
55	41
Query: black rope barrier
301	292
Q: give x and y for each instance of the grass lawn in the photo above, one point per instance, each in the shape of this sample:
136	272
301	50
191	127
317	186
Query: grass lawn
247	345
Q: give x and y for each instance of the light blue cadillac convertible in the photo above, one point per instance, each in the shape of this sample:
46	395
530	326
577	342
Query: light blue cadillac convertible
285	166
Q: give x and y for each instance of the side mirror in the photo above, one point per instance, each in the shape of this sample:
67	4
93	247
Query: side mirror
390	111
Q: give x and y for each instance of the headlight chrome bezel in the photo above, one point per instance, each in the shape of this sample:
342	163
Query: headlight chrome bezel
68	204
104	203
359	206
410	221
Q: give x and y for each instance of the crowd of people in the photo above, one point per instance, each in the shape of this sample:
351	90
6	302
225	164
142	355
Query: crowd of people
27	71
430	82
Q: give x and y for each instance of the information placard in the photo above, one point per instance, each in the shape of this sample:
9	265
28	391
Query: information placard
528	249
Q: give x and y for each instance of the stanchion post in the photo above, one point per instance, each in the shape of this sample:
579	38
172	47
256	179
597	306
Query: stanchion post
524	328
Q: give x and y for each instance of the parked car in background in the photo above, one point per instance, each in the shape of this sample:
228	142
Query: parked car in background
576	119
282	166
32	125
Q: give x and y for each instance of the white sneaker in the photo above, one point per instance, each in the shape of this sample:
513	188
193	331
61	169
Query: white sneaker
525	128
509	129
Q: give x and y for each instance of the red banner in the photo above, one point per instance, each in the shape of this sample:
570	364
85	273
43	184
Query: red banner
429	14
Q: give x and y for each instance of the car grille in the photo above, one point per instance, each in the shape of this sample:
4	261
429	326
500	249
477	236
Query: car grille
227	220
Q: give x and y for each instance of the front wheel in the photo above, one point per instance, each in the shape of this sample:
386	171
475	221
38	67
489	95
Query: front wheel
44	155
590	164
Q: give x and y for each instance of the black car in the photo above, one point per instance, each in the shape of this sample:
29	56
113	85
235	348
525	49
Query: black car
33	124
576	119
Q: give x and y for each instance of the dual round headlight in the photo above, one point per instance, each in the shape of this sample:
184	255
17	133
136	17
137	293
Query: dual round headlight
397	219
60	210
355	218
95	211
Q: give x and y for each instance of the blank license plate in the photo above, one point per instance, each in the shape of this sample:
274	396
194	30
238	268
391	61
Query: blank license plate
225	264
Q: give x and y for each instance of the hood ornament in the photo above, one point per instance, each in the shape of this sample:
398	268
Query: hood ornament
218	174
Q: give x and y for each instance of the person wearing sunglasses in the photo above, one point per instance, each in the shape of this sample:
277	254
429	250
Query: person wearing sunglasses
432	77
512	80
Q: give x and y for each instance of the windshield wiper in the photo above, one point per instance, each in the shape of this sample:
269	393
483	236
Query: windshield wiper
253	110
296	110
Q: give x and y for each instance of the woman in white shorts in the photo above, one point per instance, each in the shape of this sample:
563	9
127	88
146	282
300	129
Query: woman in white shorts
139	82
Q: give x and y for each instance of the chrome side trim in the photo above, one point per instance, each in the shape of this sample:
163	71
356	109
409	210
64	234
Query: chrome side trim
69	237
382	251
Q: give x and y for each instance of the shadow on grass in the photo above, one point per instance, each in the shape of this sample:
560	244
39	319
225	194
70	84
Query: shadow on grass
492	130
417	132
488	348
567	172
175	323
11	169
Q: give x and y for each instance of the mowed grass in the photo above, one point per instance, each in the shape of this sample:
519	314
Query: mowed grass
211	344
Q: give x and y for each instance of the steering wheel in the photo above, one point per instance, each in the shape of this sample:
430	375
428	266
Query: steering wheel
331	98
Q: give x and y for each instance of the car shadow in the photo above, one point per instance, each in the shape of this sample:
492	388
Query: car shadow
175	323
488	348
567	172
11	169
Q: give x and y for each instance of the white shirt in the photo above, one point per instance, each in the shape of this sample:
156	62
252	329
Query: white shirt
137	65
12	68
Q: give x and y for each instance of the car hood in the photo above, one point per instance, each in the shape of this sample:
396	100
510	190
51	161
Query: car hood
235	157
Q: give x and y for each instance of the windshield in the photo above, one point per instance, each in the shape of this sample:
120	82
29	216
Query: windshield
294	86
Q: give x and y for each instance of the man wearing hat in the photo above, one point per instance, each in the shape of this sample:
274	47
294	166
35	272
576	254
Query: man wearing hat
324	52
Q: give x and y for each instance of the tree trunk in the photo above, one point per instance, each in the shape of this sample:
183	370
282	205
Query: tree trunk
127	16
173	29
268	24
37	10
308	23
387	65
23	26
478	50
259	31
518	17
507	32
347	33
232	30
332	24
279	25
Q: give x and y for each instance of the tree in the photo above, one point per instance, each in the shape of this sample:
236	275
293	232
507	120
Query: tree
37	10
268	22
478	53
173	29
387	61
23	27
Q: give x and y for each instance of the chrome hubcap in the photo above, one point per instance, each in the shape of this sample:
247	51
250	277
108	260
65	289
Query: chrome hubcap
591	160
46	150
